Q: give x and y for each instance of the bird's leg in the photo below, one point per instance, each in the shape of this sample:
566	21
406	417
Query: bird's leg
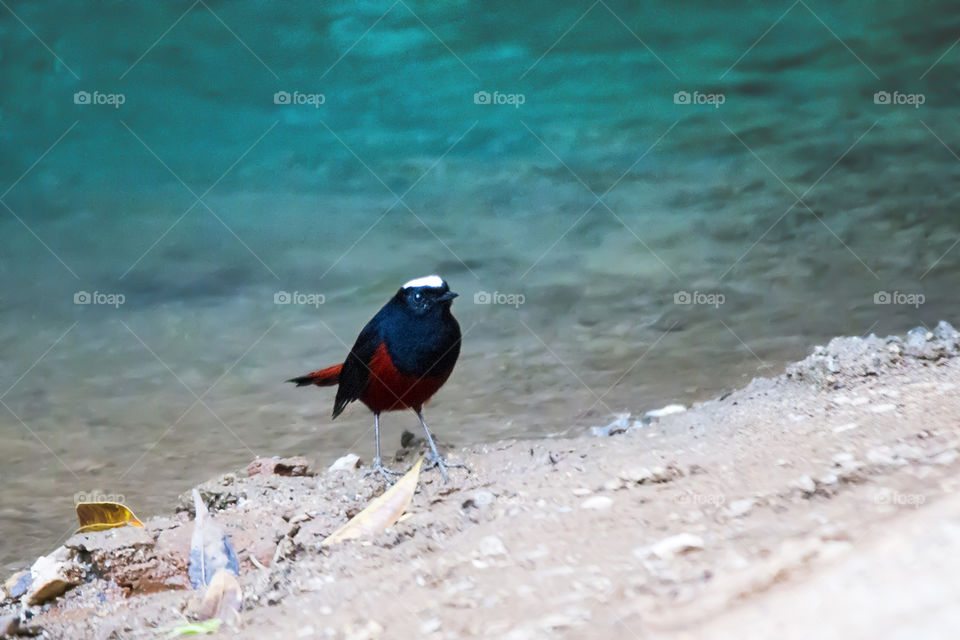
377	462
436	460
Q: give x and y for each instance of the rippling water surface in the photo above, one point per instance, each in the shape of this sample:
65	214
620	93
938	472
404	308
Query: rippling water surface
629	158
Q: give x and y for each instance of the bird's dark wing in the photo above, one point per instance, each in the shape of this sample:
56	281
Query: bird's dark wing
356	372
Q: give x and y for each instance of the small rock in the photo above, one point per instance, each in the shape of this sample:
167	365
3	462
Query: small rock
881	456
672	546
17	584
842	459
637	475
665	474
370	631
883	408
620	425
9	626
740	508
807	485
582	491
478	499
945	331
668	410
656	475
295	466
348	462
613	484
430	626
491	546
917	337
597	503
945	458
52	575
827	480
845	427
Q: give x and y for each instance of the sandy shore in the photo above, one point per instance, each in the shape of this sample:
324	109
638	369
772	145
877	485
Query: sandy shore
821	503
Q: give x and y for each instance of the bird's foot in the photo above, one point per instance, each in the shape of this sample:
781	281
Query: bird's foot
438	462
386	474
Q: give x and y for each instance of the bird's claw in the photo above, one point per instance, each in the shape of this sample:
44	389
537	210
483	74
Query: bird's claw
385	473
438	462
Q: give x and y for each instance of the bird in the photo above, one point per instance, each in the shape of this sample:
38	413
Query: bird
399	361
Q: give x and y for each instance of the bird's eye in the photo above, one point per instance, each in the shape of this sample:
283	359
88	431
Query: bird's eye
418	296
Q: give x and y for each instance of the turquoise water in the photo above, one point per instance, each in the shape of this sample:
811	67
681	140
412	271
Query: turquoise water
587	193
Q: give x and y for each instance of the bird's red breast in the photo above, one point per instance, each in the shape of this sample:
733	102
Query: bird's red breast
388	389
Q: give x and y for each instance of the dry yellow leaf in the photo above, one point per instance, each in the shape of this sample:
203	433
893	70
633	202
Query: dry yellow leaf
97	516
382	512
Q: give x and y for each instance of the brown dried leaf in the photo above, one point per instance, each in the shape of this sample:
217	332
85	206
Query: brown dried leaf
382	512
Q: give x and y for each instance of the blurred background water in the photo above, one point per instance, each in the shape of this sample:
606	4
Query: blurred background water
599	160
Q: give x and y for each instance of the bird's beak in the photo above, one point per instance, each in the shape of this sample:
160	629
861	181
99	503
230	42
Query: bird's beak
449	295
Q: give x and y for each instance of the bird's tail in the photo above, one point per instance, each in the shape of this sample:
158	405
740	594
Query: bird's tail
322	378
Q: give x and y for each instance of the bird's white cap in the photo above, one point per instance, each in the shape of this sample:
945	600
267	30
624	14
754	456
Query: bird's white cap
426	281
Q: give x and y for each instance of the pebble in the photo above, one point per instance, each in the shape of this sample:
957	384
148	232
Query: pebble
672	546
368	631
945	458
348	462
478	499
17	584
739	508
9	626
430	626
614	484
52	575
845	427
668	410
842	459
643	475
828	480
638	475
582	491
597	503
619	425
883	408
491	546
880	456
806	484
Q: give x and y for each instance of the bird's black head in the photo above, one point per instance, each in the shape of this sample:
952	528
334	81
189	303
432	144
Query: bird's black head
423	295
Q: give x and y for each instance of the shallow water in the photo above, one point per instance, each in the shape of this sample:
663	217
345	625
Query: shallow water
399	173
